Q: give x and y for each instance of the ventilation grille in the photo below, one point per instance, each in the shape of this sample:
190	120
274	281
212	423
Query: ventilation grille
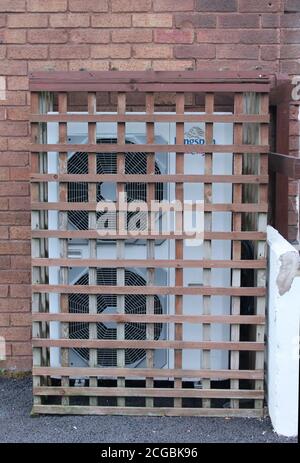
135	163
107	303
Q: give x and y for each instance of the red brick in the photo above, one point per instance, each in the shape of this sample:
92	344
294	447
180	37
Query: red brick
195	51
19	173
47	66
259	37
174	36
15	36
7	6
14	189
14	276
130	65
290	51
292	203
3	114
4	171
4	320
111	20
15	304
152	20
17	83
89	65
218	36
18	114
47	6
69	20
18	363
290	36
20	291
2	20
173	65
290	67
2	51
294	143
195	20
3	291
152	51
15	98
88	5
10	128
111	51
292	6
47	36
294	127
19	233
11	218
132	35
238	21
21	262
19	204
261	6
14	247
3	144
14	159
173	5
13	68
269	52
238	51
69	51
20	319
294	113
269	20
27	20
216	5
27	51
89	36
131	5
16	333
290	20
21	348
5	261
3	207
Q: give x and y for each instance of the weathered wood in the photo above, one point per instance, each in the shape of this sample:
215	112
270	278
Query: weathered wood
157	344
156	148
150	318
177	290
78	372
83	117
150	263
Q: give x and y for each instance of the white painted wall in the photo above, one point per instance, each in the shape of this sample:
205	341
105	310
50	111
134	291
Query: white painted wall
283	334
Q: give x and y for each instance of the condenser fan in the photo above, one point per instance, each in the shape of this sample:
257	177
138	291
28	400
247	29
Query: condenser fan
107	303
135	163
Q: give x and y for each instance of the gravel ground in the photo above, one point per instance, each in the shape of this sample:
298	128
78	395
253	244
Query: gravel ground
16	425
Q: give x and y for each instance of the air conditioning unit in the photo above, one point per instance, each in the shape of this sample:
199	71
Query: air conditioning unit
135	163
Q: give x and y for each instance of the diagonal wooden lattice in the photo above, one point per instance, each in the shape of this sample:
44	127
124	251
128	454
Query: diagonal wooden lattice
150	390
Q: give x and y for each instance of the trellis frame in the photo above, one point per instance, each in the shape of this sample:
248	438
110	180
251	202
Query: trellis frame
149	82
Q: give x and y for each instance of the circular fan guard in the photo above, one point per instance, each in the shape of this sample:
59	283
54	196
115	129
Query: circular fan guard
134	304
135	163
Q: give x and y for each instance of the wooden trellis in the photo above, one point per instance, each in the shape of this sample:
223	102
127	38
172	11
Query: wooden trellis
150	390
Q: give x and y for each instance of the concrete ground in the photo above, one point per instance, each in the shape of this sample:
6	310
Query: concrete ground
16	425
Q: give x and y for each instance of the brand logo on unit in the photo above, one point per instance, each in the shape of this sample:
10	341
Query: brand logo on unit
195	136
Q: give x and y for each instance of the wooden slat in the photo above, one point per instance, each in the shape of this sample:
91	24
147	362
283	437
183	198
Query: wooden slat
78	372
157	344
157	318
144	178
155	411
156	148
236	245
83	117
92	206
88	234
147	392
157	263
179	290
63	242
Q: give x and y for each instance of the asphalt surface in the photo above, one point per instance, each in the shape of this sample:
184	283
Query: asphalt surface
16	425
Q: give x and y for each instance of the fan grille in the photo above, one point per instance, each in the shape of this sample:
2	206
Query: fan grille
107	303
135	163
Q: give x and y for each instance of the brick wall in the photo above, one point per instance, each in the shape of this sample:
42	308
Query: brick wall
124	35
